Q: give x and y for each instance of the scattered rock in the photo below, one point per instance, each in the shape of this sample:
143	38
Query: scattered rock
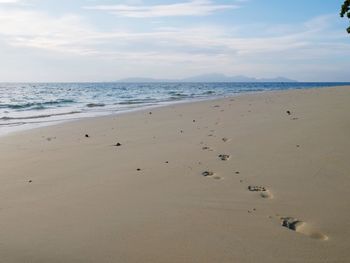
150	113
118	144
237	172
194	121
288	112
87	136
224	139
138	169
208	173
30	181
254	188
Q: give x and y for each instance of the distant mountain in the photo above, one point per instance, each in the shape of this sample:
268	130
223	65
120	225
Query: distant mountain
214	77
143	80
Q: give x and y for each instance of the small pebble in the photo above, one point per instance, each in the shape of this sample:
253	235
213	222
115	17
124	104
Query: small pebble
254	188
207	173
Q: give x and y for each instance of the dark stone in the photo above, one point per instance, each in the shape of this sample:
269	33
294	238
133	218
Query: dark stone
207	173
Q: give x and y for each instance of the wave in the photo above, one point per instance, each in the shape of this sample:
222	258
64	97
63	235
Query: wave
36	105
93	105
39	116
177	94
137	101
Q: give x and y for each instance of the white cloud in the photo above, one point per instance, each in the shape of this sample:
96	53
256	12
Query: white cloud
9	1
173	50
192	8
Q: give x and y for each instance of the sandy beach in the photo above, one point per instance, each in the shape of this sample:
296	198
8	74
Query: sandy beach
253	178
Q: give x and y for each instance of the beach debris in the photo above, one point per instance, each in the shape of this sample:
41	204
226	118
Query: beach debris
224	157
181	131
194	121
87	136
288	112
224	139
138	169
217	106
150	113
298	145
167	162
291	223
118	144
237	172
30	181
254	188
207	173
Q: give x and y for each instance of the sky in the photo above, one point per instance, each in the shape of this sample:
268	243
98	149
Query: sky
107	40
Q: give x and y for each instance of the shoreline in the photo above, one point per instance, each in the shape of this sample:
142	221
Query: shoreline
45	124
255	177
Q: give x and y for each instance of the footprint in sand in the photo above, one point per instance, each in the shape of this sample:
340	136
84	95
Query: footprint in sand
263	191
302	227
211	175
224	157
207	148
225	139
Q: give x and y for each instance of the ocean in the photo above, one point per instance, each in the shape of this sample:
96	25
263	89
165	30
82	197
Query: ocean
29	105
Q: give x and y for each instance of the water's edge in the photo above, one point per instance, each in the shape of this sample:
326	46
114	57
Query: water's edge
27	106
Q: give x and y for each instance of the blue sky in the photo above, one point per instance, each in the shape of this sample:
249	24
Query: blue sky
105	40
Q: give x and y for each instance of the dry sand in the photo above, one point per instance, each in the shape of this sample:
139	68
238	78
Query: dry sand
277	187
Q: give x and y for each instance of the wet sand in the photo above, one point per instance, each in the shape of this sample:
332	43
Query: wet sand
254	178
